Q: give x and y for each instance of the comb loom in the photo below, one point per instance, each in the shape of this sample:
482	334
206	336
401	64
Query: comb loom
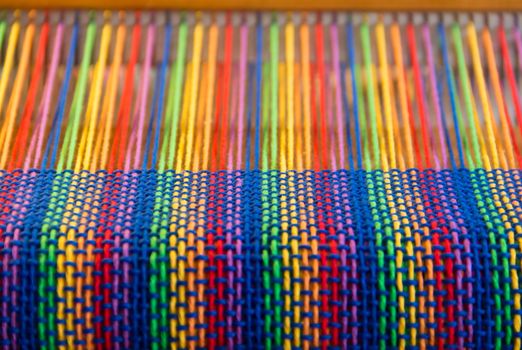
260	180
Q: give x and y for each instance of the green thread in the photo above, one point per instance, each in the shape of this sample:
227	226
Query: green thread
73	124
274	104
365	41
464	82
174	101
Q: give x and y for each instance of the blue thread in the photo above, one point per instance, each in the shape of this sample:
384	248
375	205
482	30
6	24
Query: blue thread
259	70
157	112
56	126
351	58
451	87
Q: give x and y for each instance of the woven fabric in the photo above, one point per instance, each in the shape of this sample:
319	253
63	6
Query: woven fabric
331	259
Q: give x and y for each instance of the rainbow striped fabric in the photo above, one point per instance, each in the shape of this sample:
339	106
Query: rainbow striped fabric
260	181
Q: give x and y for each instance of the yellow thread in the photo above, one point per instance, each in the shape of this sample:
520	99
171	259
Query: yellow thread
97	85
305	67
495	80
111	95
306	79
287	285
282	118
415	212
69	236
397	130
200	120
290	58
87	208
194	108
298	120
212	54
411	266
301	227
403	97
477	65
480	136
282	123
183	120
200	247
8	64
83	136
397	49
294	202
381	46
102	128
173	277
378	121
196	61
191	276
12	108
178	210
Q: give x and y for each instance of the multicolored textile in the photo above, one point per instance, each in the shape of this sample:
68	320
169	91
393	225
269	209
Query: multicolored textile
259	181
261	259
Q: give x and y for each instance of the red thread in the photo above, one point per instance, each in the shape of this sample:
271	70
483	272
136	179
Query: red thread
123	120
227	71
508	69
22	134
322	97
418	93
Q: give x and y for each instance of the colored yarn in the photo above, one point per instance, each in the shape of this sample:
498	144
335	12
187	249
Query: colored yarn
259	181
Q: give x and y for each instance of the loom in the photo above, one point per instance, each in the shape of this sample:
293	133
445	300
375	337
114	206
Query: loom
260	175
